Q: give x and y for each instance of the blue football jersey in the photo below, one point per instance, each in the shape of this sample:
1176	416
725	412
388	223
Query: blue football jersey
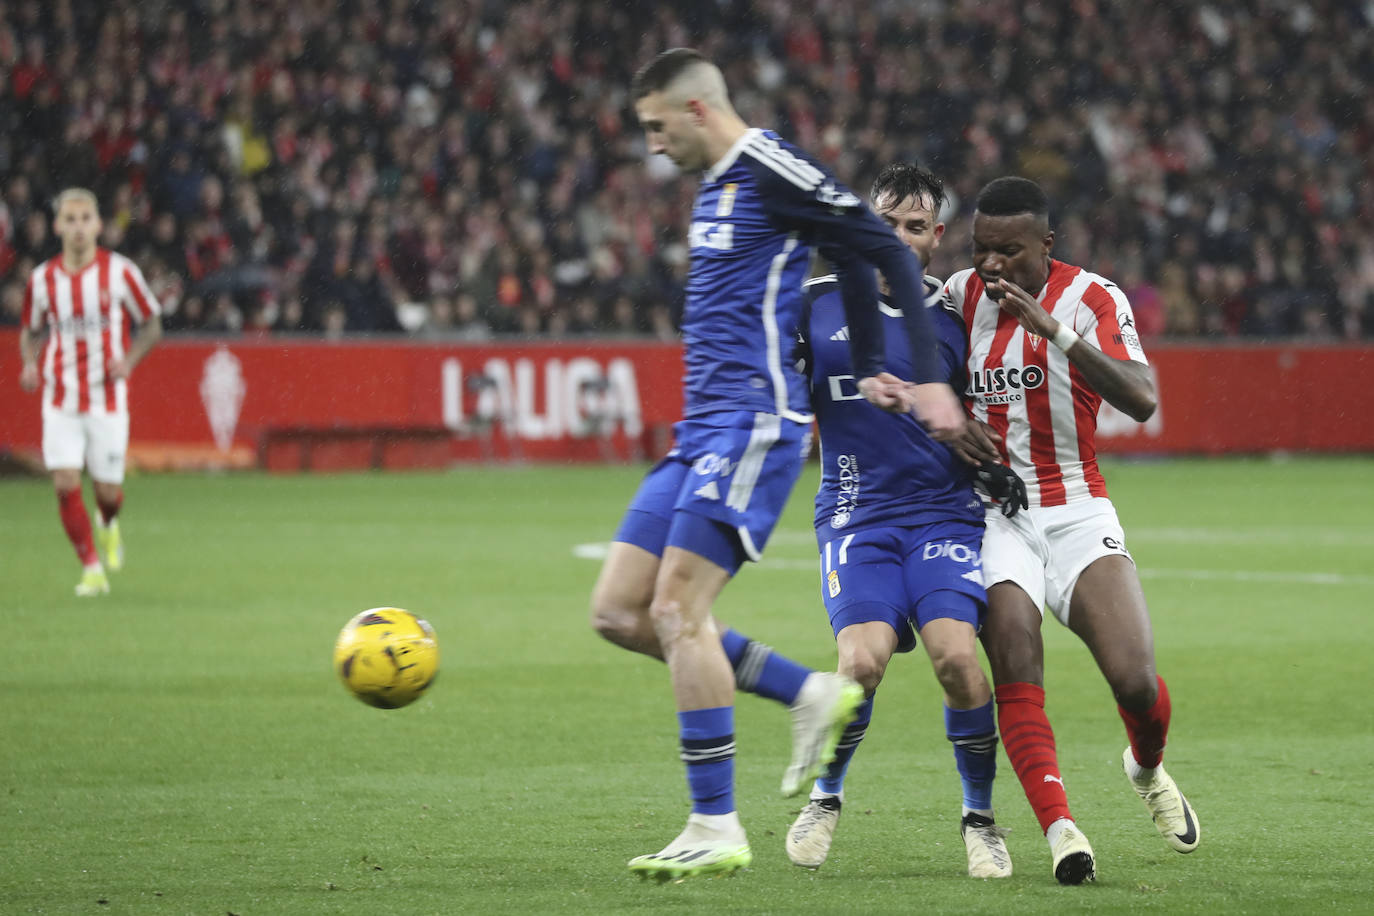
880	468
759	212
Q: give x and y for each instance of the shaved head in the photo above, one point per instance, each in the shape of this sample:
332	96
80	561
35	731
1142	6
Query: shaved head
684	107
681	75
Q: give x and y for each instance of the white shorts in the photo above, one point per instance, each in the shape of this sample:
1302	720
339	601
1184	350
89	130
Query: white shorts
96	441
1045	550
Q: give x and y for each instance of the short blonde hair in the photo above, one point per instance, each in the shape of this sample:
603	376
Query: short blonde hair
67	194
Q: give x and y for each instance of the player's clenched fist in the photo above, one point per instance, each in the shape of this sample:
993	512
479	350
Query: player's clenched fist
884	391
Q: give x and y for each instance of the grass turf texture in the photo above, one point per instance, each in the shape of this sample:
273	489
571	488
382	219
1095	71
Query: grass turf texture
182	745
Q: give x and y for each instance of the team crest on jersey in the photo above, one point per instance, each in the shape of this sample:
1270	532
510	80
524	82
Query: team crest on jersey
725	205
1035	341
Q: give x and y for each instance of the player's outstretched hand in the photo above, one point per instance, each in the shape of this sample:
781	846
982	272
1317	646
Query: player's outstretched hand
977	444
938	408
884	391
28	377
118	368
1004	486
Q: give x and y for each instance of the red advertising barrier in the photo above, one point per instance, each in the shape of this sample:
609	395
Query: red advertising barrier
1251	398
303	404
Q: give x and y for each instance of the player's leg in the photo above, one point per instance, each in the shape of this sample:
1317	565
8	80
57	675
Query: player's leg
108	499
865	649
944	579
64	449
970	723
1108	612
744	471
703	691
1011	637
624	589
1014	571
621	598
865	597
106	448
971	727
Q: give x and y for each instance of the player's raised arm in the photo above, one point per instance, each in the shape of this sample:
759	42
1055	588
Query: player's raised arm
854	240
872	242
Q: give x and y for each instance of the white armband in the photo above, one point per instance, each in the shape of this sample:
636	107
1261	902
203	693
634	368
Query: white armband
1065	337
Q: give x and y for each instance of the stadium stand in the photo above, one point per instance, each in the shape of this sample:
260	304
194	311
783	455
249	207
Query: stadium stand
460	168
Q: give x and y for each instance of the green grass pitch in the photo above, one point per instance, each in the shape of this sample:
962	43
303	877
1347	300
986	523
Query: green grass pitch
183	747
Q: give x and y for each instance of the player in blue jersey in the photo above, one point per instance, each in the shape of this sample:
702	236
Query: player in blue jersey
761	208
900	528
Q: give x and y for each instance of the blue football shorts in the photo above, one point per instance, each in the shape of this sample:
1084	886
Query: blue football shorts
903	576
721	489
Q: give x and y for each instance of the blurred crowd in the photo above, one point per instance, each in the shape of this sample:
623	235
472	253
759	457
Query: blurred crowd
461	168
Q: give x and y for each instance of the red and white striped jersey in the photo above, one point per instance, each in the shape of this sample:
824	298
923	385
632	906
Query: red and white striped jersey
87	314
1024	387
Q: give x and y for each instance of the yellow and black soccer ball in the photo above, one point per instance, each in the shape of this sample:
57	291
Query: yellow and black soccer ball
387	657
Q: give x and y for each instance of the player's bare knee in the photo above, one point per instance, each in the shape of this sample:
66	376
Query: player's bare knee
615	620
1015	654
864	666
671	621
610	622
957	670
65	481
1136	691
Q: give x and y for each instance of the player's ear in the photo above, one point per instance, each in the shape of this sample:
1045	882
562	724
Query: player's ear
696	108
1048	241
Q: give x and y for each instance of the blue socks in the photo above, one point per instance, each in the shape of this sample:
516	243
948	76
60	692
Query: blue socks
708	749
760	670
832	777
974	736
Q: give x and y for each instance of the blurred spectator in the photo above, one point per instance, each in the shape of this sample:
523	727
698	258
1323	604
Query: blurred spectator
468	323
625	318
340	158
334	320
11	304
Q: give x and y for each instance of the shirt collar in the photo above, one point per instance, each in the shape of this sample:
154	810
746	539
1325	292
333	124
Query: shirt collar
723	164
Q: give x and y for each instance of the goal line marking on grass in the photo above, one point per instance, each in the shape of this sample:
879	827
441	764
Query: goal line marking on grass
598	550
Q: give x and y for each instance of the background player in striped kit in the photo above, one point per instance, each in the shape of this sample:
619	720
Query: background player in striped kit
900	530
1048	341
712	503
80	300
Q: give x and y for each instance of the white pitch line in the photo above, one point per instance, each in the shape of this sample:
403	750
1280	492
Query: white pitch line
591	551
597	551
1305	535
1250	575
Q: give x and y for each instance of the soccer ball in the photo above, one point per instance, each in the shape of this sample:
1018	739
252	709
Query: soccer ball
386	657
